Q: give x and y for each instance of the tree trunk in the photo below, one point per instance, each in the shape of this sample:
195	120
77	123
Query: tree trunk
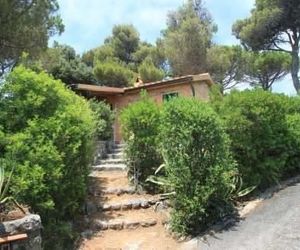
295	68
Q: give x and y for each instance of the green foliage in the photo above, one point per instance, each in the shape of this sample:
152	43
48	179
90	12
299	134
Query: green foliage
293	121
62	63
104	119
88	57
149	73
140	126
103	53
292	105
238	190
256	124
159	178
196	153
116	63
273	25
4	186
124	41
113	73
263	69
50	140
146	50
59	230
187	37
25	26
226	64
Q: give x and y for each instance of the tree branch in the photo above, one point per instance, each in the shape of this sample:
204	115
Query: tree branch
280	49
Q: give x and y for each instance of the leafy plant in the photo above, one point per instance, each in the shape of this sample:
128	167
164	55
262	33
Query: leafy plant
162	181
113	73
148	71
238	190
292	165
4	185
198	164
140	125
256	124
50	139
104	119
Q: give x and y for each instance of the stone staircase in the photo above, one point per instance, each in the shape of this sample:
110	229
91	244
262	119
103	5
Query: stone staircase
113	204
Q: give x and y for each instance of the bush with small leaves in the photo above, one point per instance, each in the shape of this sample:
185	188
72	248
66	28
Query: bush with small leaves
140	125
48	131
256	124
198	164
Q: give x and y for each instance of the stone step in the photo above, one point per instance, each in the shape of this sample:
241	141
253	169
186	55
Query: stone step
117	150
127	204
130	219
122	224
115	156
113	190
110	167
119	145
112	161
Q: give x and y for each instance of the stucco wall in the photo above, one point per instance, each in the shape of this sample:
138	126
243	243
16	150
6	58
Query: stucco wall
201	91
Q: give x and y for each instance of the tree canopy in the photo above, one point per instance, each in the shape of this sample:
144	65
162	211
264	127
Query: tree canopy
124	42
113	73
188	35
273	25
25	26
263	69
226	65
148	72
63	63
118	61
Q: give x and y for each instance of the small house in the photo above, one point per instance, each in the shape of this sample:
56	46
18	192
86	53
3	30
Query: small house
118	98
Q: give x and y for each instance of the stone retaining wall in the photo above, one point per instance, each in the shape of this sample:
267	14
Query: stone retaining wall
31	225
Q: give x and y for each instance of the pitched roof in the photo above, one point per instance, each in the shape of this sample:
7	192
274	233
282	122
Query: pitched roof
176	80
104	90
98	89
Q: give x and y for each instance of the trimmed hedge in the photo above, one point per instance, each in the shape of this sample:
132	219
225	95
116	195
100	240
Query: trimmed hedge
48	131
140	126
198	164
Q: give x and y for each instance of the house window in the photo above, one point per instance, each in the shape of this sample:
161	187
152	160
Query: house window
169	96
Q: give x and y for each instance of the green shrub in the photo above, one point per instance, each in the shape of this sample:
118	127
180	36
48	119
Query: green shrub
293	162
140	126
292	104
104	119
256	124
48	131
198	164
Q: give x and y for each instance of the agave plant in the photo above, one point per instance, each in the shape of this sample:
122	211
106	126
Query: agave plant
237	191
161	181
4	184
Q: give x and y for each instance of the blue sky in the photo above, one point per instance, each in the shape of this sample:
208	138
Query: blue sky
88	23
